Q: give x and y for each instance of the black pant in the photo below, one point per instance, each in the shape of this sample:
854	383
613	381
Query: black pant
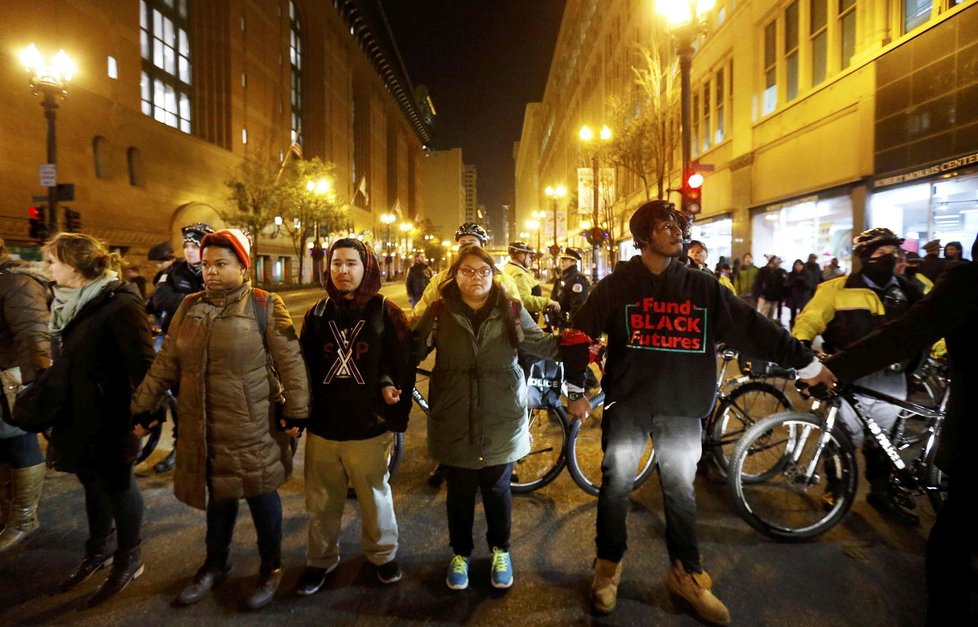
624	435
497	501
951	549
266	513
112	500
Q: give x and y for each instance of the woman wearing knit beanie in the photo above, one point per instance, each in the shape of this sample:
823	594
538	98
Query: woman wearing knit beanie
229	447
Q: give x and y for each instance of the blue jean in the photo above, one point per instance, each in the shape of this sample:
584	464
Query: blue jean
624	433
266	513
21	451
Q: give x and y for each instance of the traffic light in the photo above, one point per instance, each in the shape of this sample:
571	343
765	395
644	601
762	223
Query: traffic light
72	221
38	224
692	192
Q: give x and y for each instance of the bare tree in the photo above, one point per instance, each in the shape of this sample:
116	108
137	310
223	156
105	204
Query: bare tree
648	134
255	197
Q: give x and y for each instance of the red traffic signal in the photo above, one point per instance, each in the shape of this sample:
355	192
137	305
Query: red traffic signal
35	213
38	226
692	192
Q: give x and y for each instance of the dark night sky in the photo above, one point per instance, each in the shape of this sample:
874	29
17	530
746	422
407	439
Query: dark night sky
482	61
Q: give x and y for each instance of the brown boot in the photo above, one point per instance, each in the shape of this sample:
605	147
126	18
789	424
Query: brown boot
695	589
25	489
604	589
4	494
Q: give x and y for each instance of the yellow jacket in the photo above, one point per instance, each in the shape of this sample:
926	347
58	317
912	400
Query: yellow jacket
525	282
725	282
433	292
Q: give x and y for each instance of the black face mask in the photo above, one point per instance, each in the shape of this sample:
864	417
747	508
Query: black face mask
879	269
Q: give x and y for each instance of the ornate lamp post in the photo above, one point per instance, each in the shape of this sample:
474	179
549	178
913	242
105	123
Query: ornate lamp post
555	194
388	219
686	18
320	187
587	136
50	81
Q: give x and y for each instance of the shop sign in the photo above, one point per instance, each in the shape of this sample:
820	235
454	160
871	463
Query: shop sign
932	170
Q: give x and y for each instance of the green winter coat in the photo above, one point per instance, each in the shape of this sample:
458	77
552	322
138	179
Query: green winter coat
744	281
477	391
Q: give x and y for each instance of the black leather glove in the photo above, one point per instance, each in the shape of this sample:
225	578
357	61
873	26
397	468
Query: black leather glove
146	420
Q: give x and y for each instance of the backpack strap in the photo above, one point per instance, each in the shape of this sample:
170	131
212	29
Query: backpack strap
259	304
437	308
320	307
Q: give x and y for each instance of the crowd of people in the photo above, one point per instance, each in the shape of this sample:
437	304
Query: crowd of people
248	386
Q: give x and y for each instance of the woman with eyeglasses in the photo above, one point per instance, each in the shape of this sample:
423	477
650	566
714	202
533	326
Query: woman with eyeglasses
477	424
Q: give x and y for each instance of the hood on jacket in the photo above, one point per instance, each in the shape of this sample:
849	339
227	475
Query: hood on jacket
634	269
369	286
39	270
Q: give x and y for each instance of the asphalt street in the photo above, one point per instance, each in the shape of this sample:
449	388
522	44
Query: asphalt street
866	571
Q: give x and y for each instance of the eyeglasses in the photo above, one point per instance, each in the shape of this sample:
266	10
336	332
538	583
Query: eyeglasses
469	273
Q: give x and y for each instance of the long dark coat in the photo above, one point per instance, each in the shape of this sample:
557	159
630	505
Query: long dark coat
107	350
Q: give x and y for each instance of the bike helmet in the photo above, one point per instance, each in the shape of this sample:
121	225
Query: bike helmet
645	216
471	228
869	240
195	233
519	247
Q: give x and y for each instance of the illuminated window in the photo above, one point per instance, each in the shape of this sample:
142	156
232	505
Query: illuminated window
791	51
770	68
915	13
721	124
166	77
818	34
295	66
847	24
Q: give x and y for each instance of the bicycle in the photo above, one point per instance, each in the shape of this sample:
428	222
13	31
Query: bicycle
750	398
557	440
813	472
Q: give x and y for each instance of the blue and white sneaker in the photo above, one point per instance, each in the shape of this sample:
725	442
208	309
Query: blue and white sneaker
458	573
502	569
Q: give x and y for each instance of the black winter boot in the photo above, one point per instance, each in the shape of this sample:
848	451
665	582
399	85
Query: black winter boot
97	557
269	578
212	573
127	565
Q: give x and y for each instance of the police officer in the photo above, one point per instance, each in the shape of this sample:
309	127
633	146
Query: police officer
847	309
530	290
571	287
172	285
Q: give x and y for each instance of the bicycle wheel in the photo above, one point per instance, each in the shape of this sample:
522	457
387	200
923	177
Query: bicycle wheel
149	442
745	405
810	494
395	454
584	456
546	457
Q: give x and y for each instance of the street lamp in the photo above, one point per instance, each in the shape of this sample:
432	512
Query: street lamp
686	18
49	80
587	136
388	219
319	187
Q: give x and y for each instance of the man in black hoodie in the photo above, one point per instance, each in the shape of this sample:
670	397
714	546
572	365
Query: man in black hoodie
663	321
356	345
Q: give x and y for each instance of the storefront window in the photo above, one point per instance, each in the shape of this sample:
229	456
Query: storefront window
811	225
946	210
717	235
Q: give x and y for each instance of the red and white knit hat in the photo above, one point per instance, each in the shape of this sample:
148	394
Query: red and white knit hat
235	239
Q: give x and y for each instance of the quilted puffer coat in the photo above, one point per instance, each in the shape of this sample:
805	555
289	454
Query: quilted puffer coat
215	351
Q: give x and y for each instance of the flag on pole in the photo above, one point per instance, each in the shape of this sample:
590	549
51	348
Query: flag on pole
362	189
397	208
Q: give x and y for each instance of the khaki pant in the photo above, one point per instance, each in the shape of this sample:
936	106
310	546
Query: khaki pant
330	466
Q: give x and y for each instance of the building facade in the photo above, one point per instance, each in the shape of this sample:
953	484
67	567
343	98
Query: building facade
470	184
444	190
172	95
813	119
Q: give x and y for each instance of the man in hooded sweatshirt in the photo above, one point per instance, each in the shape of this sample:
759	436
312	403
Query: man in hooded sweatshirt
356	344
663	321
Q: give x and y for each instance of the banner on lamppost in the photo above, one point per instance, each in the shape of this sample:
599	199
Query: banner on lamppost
548	225
606	189
585	191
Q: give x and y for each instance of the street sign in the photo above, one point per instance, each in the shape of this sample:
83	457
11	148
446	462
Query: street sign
65	192
49	174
